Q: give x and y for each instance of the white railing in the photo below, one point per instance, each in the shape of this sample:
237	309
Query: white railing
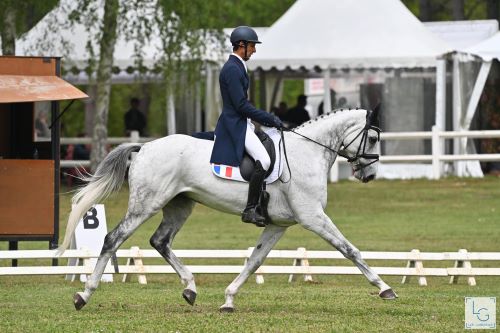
436	157
301	264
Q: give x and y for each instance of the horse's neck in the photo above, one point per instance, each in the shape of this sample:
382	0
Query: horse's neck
330	129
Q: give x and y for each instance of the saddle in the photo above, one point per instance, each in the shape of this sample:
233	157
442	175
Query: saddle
248	164
270	139
244	172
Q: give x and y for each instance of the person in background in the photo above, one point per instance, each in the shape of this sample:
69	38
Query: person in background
333	100
298	114
135	119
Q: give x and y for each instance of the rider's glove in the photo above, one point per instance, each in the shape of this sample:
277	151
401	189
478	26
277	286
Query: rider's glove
277	122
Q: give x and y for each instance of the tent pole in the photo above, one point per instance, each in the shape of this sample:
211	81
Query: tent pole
457	110
170	109
262	89
327	104
476	93
440	121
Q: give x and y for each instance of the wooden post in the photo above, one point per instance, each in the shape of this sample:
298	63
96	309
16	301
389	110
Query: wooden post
135	260
436	152
301	261
418	265
471	280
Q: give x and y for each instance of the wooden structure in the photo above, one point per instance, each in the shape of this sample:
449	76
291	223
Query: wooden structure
304	263
30	88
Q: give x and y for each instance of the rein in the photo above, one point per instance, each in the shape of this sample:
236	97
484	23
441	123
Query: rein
364	139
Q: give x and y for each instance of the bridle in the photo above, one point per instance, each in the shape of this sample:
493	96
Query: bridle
360	153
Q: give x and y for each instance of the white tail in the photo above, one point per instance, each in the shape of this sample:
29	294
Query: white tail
107	179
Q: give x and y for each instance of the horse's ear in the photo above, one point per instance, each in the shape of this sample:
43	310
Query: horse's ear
374	119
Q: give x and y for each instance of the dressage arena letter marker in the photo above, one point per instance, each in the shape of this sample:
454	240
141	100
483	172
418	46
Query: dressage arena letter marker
89	235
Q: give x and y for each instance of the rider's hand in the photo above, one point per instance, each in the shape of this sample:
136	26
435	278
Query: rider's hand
277	122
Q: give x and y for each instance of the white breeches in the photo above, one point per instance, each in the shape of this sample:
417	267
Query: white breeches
255	148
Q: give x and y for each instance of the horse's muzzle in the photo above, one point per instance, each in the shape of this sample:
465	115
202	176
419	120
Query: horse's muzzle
368	178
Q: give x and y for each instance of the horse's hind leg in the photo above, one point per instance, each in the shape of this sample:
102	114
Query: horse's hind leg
326	229
112	242
174	215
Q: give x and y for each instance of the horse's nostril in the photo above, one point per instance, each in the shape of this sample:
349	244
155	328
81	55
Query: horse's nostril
368	178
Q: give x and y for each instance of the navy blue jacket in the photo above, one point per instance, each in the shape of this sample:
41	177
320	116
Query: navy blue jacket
229	145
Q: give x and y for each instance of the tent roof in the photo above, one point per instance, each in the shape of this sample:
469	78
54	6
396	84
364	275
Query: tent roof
487	49
54	36
462	34
348	34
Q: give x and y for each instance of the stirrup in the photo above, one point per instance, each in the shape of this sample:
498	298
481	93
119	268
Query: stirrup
250	215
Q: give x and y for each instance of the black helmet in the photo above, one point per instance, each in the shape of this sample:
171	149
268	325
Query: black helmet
245	34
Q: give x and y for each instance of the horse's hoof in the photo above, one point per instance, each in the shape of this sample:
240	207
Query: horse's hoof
78	301
388	294
189	296
226	309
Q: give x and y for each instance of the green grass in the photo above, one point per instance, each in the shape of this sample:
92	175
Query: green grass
384	215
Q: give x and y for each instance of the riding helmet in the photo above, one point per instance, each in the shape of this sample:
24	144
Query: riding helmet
244	33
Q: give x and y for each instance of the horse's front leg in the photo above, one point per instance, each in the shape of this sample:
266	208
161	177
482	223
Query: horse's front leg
270	236
321	224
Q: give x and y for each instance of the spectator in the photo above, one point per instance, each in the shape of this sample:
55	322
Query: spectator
333	101
298	114
135	119
42	125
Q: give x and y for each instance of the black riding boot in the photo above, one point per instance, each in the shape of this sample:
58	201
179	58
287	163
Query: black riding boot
250	214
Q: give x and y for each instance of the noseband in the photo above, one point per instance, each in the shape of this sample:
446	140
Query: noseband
361	153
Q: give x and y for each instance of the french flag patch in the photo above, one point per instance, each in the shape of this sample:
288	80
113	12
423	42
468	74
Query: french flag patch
227	171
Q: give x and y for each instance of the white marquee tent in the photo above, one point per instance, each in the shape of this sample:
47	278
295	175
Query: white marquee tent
331	35
348	34
463	110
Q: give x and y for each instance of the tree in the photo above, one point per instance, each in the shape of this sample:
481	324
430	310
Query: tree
446	10
17	17
107	47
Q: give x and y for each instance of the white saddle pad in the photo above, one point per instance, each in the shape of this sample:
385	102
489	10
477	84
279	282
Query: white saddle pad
233	173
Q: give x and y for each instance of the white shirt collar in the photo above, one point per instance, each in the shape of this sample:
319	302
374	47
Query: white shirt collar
245	65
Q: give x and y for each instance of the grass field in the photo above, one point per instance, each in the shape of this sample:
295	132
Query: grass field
436	216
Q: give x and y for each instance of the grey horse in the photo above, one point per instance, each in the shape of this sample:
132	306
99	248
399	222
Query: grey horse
173	173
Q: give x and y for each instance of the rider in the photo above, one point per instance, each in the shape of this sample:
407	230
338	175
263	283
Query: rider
234	133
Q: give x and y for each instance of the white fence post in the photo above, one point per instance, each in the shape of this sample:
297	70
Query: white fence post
134	136
135	259
334	171
419	266
436	152
465	264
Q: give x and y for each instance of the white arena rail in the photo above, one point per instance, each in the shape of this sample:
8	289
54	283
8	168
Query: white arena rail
300	265
436	157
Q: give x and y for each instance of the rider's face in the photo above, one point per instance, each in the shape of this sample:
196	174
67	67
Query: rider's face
250	49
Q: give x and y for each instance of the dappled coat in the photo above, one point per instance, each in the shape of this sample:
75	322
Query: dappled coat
230	131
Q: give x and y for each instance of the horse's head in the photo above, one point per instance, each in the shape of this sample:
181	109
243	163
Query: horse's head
363	146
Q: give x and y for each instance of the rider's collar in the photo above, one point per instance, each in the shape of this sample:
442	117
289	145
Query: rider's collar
242	61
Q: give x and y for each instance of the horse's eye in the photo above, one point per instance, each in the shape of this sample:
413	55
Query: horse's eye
372	140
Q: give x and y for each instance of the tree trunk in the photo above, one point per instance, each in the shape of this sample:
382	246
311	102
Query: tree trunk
425	7
107	47
146	89
90	107
458	10
9	30
493	9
